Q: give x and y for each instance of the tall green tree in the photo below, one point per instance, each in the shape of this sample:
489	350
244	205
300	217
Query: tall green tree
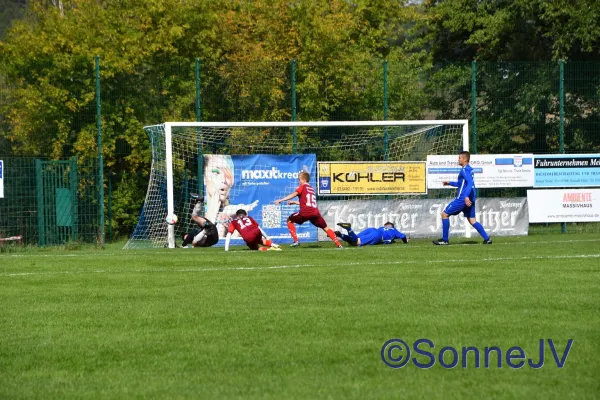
514	30
339	47
142	46
146	50
518	103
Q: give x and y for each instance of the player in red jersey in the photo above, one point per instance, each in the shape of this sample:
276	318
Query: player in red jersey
250	231
307	200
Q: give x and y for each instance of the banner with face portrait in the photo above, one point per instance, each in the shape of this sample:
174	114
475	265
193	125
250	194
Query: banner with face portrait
253	183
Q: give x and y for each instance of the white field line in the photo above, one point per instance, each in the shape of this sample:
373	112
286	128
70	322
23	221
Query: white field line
379	263
241	248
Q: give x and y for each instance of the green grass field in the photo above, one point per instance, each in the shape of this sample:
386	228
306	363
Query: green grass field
301	323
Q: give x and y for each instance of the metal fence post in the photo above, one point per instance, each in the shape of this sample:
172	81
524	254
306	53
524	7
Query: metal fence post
110	178
474	106
197	74
294	133
561	130
100	158
386	139
74	199
39	191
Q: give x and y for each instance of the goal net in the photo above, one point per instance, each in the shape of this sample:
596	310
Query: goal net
196	157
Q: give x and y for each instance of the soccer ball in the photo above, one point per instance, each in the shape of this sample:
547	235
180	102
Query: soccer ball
171	219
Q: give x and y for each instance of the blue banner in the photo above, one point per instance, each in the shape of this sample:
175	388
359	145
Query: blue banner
253	183
567	170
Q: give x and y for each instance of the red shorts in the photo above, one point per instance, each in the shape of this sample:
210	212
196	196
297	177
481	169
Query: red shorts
314	219
253	239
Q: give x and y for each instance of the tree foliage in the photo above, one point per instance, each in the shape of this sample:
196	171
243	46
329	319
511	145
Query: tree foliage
518	103
147	51
514	30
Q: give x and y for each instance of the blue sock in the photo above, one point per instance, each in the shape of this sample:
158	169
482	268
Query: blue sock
352	236
481	231
445	229
346	238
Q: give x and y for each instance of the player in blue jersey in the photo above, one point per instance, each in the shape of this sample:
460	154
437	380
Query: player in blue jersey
464	201
387	234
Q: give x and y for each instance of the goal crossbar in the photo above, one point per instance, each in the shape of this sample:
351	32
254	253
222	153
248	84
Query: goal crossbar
292	124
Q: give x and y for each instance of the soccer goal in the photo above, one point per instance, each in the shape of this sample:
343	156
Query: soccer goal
195	157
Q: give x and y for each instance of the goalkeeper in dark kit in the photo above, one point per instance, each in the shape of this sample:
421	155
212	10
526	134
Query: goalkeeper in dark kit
206	234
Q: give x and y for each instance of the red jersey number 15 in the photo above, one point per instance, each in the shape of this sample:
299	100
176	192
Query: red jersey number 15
311	200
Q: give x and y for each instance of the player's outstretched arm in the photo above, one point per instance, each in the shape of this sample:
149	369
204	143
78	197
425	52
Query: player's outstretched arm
227	239
230	231
288	197
292	202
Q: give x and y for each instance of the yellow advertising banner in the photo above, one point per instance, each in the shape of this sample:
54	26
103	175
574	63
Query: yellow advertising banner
371	178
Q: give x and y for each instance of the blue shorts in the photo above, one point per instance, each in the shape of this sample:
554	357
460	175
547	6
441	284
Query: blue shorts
457	206
369	236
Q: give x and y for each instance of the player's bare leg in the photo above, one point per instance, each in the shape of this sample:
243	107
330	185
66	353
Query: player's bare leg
200	239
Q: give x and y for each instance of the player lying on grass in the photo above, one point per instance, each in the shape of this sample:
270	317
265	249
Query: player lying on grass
307	200
206	234
387	234
250	231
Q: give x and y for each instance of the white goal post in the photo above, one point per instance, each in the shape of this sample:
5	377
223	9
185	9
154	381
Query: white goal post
179	148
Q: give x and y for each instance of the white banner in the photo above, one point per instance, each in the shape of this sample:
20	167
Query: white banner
567	170
1	179
491	170
421	218
564	205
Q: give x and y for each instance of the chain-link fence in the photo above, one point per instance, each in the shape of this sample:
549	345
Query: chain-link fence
52	114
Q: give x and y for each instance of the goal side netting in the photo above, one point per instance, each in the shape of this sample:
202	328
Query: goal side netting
196	158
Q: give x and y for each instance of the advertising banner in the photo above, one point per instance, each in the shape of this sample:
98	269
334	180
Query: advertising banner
254	182
420	218
567	170
371	178
491	170
564	205
1	179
